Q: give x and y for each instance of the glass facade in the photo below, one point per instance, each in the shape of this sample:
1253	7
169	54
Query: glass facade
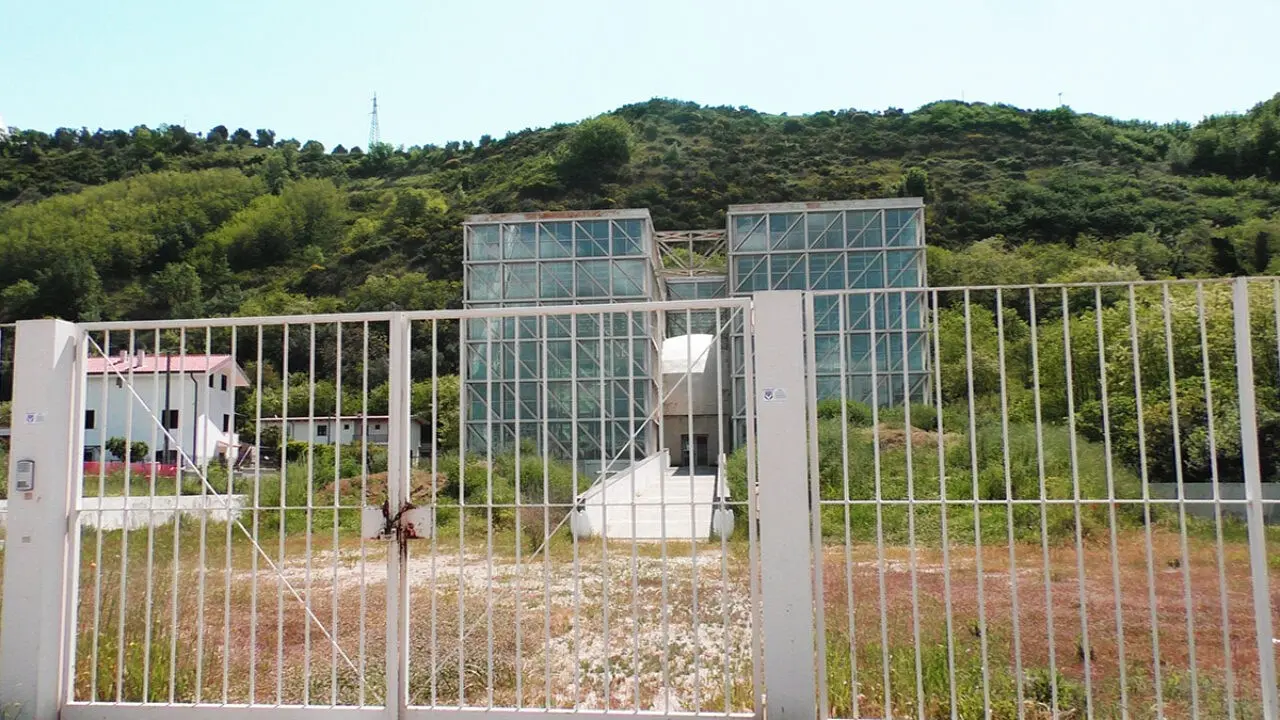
851	255
589	381
566	382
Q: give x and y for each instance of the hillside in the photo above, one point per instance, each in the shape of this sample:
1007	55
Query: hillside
162	222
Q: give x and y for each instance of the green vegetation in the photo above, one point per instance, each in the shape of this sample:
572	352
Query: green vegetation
162	222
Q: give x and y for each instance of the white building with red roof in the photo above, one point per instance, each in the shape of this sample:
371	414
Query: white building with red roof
176	404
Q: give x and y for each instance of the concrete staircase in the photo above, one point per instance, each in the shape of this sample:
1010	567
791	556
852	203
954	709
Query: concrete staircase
649	501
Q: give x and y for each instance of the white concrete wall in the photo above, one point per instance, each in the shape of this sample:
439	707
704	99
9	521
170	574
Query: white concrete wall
349	431
200	412
113	513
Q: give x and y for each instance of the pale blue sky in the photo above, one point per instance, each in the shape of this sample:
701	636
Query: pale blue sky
455	70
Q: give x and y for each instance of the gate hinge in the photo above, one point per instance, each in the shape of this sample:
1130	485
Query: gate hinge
410	522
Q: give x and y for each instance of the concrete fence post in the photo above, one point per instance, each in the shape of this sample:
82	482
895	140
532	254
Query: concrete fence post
1260	571
786	558
40	548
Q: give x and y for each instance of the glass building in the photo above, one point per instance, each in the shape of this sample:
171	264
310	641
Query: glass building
869	346
590	376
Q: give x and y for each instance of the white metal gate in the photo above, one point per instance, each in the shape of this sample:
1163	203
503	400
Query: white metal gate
394	513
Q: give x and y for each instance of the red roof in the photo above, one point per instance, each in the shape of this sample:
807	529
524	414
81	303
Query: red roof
149	364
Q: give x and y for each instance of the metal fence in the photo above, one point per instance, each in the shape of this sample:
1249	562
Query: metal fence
1051	530
1004	502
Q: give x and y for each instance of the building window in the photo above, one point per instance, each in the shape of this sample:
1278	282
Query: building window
224	383
377	426
322	431
226	423
210	381
170	418
346	426
90	454
90	421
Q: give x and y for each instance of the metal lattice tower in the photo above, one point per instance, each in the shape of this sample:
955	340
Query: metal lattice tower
374	138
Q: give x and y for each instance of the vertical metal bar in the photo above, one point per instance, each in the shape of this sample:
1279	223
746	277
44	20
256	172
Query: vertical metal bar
977	509
604	515
722	472
125	517
182	459
200	438
1146	501
911	509
850	597
364	500
662	509
1217	503
693	513
435	504
754	552
788	605
1253	492
233	373
1183	550
311	477
519	507
1111	503
257	502
1008	499
577	455
631	502
284	503
462	498
104	408
1085	650
151	530
1044	501
488	499
943	503
879	499
815	505
336	434
546	511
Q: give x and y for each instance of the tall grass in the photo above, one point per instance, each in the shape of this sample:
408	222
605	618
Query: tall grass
858	466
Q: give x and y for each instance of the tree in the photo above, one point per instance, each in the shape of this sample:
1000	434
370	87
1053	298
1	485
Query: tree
266	138
915	183
241	137
595	152
176	289
218	135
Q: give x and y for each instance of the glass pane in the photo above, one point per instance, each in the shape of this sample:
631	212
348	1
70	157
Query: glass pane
787	272
826	271
866	270
555	240
748	234
483	243
628	278
485	283
626	237
519	242
903	267
557	280
786	231
593	279
591	238
827	353
825	230
521	281
902	227
559	359
752	273
863	229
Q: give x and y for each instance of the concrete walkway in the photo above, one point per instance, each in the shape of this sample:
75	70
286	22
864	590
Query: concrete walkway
675	503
